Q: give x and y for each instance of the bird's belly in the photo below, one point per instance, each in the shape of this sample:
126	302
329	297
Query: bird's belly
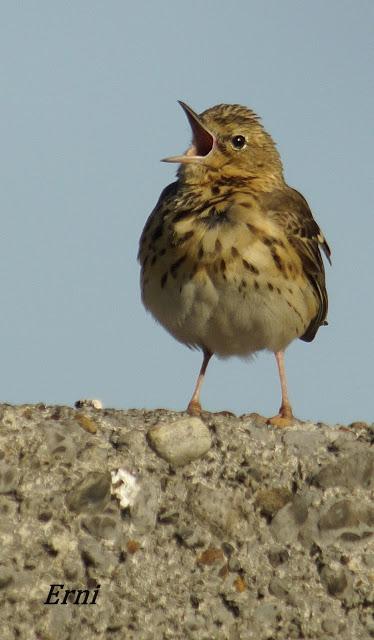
230	316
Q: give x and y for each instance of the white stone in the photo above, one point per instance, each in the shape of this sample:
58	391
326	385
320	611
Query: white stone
125	487
180	442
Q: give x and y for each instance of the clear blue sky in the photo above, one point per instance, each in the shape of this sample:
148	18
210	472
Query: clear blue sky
87	109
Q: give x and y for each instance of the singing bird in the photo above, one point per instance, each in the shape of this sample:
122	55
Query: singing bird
230	256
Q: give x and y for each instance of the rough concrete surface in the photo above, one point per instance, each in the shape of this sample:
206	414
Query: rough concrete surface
223	528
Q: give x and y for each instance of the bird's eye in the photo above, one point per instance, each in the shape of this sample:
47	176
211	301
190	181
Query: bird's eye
238	142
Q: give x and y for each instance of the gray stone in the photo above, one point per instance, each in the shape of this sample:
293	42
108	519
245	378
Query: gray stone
356	470
91	493
283	526
8	513
266	614
94	555
279	587
6	576
58	444
267	535
9	478
180	442
368	558
145	508
278	556
304	442
217	508
101	525
300	507
192	538
335	580
340	514
330	626
270	501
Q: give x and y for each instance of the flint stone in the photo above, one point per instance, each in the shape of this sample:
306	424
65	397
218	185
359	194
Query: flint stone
90	494
6	576
305	442
284	526
335	580
101	525
9	478
95	555
144	510
356	470
340	514
279	587
218	508
180	442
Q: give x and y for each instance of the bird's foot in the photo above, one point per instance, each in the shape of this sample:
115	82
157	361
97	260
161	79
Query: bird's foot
280	422
194	408
285	418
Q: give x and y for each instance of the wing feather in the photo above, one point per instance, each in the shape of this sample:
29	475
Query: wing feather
291	211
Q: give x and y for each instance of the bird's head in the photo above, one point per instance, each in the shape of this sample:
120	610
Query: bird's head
230	140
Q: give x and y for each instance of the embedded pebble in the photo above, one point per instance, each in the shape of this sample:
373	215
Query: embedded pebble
218	508
335	580
271	500
340	514
86	423
9	478
180	442
6	576
90	494
145	506
350	471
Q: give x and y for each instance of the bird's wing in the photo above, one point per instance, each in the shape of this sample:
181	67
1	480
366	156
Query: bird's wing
291	211
154	226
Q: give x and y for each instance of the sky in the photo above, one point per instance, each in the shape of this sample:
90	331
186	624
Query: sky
88	108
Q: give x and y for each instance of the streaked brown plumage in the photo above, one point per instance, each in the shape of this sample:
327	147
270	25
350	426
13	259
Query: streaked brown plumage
230	256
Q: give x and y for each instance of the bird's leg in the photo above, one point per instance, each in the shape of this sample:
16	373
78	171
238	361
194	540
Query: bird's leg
194	406
285	416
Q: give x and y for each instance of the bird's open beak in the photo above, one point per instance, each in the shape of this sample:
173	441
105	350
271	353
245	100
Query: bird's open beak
203	141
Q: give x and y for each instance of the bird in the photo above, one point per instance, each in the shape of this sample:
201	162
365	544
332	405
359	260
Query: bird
230	256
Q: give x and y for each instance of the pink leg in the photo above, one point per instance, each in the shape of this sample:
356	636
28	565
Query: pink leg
194	406
285	416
